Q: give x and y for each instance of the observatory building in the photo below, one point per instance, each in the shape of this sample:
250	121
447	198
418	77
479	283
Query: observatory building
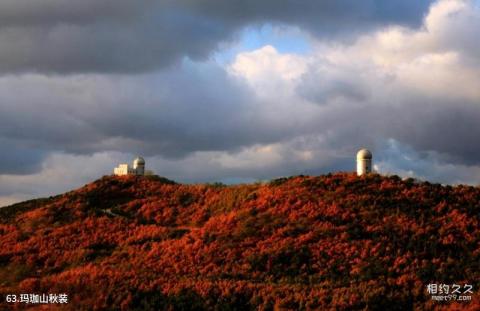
364	162
138	168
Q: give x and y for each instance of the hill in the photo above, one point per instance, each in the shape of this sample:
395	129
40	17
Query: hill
301	243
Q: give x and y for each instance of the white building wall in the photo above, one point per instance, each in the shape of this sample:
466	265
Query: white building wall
140	170
125	169
122	169
364	166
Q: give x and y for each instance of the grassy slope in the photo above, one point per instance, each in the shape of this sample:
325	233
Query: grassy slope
334	241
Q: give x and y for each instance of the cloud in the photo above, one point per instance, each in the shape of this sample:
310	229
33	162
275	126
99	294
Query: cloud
352	93
323	84
18	159
316	16
196	107
52	12
101	37
62	37
59	173
405	161
403	84
398	90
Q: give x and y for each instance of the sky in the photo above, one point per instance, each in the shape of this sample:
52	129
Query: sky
236	91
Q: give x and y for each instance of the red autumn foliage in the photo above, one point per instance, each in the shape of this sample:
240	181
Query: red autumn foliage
303	243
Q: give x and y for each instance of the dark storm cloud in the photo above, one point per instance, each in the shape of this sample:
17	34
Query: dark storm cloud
106	48
319	17
52	12
172	113
451	129
323	86
17	159
60	36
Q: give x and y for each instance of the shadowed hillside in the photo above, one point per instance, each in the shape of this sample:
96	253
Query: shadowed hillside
301	243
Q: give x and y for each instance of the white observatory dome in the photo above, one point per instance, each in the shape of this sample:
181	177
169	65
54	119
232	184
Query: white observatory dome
364	154
139	166
139	161
364	162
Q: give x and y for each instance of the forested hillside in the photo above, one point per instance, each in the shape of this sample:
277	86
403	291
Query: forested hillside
337	242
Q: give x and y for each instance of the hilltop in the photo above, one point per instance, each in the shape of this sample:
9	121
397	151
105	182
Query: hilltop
329	242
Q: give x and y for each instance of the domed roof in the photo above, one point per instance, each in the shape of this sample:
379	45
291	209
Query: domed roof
139	160
364	154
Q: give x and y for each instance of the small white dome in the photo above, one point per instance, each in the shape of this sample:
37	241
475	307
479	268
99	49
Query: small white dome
364	154
139	161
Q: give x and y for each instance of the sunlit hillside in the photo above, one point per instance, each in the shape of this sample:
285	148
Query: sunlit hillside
302	243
